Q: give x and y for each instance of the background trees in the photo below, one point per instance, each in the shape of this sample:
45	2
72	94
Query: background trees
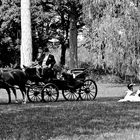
110	32
114	35
9	31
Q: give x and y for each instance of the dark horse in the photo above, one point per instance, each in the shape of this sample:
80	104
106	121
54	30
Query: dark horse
10	78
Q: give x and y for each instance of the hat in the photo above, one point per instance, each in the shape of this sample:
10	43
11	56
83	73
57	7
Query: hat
40	48
46	50
130	85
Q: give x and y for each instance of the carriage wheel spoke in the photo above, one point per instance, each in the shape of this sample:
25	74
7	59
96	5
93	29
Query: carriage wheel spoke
50	92
34	94
39	98
70	95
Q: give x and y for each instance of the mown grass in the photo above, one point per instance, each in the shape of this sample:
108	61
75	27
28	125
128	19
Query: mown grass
104	118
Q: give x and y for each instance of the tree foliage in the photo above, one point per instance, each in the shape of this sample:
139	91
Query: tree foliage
9	31
114	34
111	30
50	19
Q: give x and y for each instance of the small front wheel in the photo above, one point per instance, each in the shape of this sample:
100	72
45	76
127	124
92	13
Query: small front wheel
50	92
34	93
89	90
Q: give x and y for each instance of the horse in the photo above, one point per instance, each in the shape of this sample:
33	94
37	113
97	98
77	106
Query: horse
17	77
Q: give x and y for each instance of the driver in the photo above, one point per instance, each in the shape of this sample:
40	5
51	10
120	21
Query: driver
46	62
48	59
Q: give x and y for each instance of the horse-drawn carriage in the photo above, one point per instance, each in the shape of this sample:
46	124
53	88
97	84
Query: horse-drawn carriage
79	87
74	85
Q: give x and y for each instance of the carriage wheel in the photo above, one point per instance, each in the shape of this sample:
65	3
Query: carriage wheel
88	90
70	95
50	92
34	93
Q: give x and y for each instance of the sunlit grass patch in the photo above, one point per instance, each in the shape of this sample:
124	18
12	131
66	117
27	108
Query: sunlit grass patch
128	134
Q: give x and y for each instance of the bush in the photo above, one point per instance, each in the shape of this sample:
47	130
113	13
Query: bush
85	65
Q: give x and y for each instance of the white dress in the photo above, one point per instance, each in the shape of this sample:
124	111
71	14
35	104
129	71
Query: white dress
130	96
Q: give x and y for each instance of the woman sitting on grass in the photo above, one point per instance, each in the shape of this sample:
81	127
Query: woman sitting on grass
132	96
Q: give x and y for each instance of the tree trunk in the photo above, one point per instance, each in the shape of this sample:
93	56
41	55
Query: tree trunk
63	53
138	69
26	34
73	41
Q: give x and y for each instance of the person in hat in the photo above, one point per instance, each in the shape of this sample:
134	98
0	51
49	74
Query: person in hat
132	96
47	62
44	61
39	53
39	57
45	58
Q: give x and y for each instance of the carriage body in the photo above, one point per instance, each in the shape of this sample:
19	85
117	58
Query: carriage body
73	88
72	80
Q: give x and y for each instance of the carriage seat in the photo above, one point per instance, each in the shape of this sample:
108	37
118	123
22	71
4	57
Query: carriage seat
71	81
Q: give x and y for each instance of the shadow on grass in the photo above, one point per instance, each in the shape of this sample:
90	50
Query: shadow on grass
63	118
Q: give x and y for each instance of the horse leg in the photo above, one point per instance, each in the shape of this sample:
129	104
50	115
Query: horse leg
24	95
14	91
9	94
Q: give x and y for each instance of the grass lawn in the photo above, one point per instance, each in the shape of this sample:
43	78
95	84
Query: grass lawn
101	119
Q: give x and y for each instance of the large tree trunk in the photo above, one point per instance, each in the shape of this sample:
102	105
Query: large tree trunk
73	41
63	54
26	34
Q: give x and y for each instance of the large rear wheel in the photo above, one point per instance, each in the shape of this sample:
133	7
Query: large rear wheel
89	90
71	94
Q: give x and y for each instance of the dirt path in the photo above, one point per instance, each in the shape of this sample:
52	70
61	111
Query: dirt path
104	90
112	90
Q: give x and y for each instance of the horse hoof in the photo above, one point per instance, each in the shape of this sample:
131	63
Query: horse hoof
24	102
16	101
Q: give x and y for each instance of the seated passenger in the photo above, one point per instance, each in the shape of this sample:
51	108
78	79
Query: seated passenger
44	63
70	78
132	96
